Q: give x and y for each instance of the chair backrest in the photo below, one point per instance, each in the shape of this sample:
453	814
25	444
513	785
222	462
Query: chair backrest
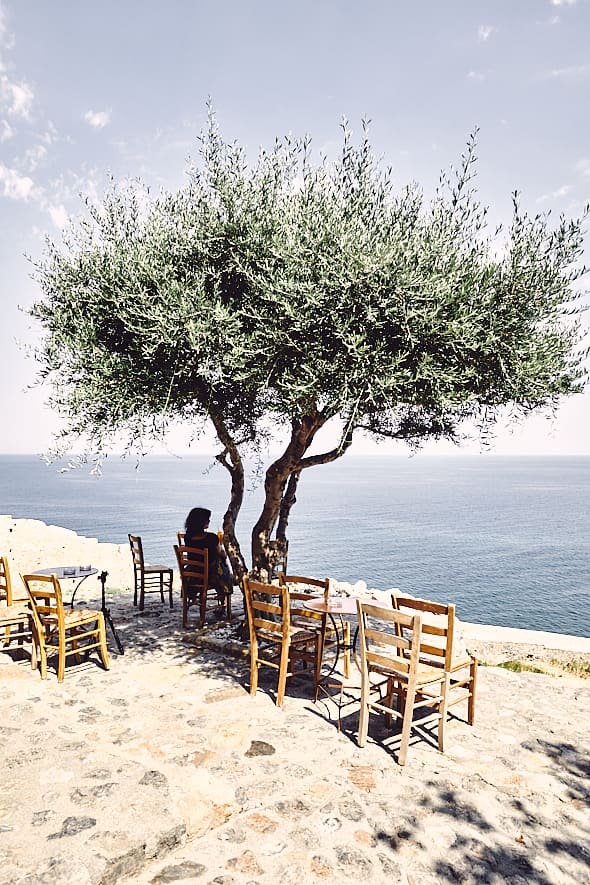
5	585
136	552
193	566
438	627
299	583
268	610
301	588
181	538
44	592
389	640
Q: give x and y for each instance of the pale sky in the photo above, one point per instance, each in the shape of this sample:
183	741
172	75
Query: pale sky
92	89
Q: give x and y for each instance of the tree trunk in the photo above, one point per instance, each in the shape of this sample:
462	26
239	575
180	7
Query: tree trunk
264	551
266	554
230	458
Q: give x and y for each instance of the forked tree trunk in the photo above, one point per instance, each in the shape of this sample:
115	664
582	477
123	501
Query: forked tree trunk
280	496
280	486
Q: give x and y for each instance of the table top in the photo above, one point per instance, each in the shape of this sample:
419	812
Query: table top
68	571
336	605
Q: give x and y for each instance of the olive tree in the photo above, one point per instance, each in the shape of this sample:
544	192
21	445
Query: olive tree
289	293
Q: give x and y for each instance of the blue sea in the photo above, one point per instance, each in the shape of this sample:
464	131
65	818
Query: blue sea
506	538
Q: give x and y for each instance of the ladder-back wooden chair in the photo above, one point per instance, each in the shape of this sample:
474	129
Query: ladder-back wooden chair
274	641
193	568
391	671
61	631
148	578
15	615
181	537
333	634
437	649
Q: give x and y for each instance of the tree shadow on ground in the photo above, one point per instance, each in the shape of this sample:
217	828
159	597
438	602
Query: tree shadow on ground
485	855
219	650
483	851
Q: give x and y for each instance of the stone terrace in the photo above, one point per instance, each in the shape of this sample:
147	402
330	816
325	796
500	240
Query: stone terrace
164	769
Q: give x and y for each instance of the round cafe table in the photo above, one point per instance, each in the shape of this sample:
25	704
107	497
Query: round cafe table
80	573
70	572
337	605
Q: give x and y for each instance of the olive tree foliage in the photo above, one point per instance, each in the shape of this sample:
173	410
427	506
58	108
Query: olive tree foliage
291	293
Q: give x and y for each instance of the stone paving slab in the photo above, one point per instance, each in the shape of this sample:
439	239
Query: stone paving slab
164	769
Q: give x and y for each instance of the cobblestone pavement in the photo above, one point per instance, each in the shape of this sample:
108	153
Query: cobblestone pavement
164	769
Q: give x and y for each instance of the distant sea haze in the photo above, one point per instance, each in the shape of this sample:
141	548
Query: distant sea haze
505	538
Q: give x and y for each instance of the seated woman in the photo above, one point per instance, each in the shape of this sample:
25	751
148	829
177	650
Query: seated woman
196	535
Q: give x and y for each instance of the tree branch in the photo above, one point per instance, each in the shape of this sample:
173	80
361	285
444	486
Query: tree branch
332	455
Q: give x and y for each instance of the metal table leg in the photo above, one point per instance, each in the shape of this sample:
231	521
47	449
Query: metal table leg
77	587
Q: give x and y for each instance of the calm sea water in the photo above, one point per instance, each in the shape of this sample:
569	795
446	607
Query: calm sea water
506	538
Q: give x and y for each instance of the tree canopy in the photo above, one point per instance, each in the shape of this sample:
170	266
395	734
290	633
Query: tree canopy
290	292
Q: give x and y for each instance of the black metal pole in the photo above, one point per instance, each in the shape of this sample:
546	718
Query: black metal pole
107	612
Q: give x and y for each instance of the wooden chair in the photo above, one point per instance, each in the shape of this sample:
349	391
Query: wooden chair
148	578
66	632
436	649
274	641
180	538
193	567
329	631
15	616
391	669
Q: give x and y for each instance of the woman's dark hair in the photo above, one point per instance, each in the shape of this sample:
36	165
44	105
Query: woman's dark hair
197	521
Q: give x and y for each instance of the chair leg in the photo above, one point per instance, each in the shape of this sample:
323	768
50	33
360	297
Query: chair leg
472	686
61	662
228	605
364	711
184	611
203	607
442	722
346	638
104	652
388	699
43	662
74	647
170	579
33	649
407	724
142	593
283	667
253	667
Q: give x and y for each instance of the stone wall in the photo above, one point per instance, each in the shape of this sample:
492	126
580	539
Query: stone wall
30	544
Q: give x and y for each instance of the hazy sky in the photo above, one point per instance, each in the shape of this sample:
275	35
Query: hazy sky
89	89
